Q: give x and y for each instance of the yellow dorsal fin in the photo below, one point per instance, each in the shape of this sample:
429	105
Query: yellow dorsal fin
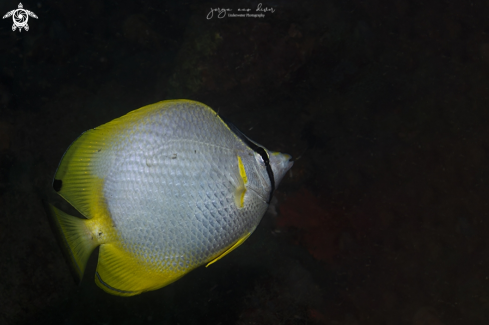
83	168
86	163
230	249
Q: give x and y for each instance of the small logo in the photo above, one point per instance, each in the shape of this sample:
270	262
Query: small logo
20	17
242	12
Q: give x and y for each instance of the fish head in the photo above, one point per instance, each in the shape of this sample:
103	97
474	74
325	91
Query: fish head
269	169
280	163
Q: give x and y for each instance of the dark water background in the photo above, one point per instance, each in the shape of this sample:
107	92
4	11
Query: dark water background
384	219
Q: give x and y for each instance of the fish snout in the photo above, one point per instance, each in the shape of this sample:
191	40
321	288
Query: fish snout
280	163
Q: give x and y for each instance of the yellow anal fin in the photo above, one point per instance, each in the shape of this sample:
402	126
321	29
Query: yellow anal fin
230	249
120	274
76	238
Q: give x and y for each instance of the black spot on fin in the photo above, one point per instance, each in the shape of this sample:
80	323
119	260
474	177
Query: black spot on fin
57	184
112	288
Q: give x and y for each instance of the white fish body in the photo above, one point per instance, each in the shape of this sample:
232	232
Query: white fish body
165	189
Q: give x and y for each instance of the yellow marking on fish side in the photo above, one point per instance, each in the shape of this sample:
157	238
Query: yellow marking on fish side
241	190
242	171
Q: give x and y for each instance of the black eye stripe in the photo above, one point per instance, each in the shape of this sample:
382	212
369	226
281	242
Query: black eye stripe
266	159
261	151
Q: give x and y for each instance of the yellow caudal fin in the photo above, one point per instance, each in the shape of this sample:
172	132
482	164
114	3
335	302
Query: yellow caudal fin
230	249
76	238
118	273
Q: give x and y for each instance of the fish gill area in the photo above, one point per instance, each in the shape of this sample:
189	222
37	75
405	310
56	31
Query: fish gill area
384	217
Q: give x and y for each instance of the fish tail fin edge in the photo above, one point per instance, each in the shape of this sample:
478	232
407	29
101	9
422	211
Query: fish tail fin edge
75	238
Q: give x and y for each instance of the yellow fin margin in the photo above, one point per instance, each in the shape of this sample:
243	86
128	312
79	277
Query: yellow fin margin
230	249
120	274
85	164
79	178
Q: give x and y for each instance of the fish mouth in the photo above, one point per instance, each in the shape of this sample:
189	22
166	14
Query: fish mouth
288	156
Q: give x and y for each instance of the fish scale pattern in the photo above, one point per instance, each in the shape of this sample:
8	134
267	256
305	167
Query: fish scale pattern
171	189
